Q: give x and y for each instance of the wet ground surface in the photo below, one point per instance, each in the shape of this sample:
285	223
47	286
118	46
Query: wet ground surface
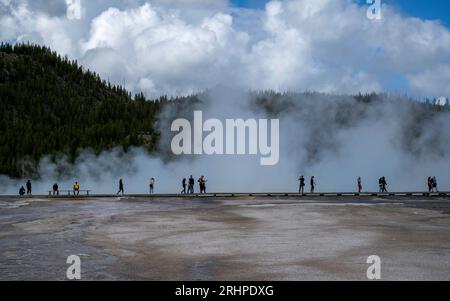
225	239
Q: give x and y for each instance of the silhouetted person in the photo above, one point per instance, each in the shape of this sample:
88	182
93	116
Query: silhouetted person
202	184
383	184
302	185
313	184
55	189
183	184
28	187
120	187
76	189
434	184
191	185
152	185
359	185
22	191
430	184
380	185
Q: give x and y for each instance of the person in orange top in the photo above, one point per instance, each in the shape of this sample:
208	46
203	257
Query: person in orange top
76	189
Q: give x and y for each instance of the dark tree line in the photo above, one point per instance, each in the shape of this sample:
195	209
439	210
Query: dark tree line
51	105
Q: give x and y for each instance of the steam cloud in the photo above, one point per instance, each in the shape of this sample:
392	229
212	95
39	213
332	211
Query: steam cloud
332	137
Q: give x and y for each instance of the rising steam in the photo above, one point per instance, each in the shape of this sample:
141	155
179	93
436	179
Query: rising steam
334	138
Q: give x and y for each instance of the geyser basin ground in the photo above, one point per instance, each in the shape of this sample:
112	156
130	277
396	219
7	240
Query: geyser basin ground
225	239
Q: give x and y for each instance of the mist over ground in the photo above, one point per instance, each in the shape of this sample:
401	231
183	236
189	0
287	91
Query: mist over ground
335	138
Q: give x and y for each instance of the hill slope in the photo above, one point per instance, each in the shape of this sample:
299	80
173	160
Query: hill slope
50	105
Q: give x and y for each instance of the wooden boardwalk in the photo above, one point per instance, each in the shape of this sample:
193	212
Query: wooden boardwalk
243	195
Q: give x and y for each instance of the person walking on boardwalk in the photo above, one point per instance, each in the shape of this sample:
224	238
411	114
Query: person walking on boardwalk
152	185
28	187
359	185
302	185
313	184
55	189
202	183
183	185
380	184
121	190
430	184
76	189
434	184
191	185
383	184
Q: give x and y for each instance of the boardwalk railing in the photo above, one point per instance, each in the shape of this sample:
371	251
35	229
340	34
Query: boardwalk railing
319	194
87	193
282	194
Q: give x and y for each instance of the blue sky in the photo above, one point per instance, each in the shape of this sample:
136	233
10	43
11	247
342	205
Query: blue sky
424	9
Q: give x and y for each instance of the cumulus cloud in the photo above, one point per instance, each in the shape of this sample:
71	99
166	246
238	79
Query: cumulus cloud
184	46
431	80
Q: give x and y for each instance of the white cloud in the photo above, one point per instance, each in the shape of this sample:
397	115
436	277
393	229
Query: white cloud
432	80
183	46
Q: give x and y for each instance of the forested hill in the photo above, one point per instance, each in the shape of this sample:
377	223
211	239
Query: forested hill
50	105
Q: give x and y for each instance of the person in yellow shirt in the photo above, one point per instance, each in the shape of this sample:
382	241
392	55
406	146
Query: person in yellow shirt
76	189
